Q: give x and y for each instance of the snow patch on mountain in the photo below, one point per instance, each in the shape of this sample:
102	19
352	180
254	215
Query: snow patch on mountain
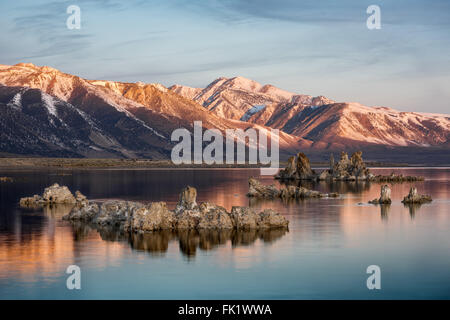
16	101
252	111
48	102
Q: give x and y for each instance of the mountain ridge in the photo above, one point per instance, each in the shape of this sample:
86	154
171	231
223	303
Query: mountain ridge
138	118
322	121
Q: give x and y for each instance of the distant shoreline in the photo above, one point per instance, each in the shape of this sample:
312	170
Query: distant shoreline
87	163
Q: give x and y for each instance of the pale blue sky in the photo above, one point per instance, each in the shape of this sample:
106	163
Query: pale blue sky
311	47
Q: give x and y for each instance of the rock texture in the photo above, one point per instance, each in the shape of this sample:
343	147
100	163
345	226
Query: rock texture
153	217
260	191
385	196
247	219
55	194
298	168
414	198
135	217
346	169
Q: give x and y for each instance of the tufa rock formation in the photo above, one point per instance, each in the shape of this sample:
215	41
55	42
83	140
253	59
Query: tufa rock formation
414	198
298	168
353	169
54	194
303	167
187	199
347	169
135	217
260	191
385	196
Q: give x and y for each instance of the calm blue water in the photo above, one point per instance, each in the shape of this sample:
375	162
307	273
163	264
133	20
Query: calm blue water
324	255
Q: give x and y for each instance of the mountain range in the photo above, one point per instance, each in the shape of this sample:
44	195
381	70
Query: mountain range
45	112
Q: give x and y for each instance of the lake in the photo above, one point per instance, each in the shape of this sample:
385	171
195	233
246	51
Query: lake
324	254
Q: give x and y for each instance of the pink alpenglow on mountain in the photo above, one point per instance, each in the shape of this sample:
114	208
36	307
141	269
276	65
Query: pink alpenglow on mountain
75	117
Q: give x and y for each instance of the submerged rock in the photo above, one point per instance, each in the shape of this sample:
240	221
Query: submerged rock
260	191
135	217
385	196
414	197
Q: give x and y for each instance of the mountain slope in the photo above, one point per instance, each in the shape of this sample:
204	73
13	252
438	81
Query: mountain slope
140	117
318	121
72	116
239	98
34	122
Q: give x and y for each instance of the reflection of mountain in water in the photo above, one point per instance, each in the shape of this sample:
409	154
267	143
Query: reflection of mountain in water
189	240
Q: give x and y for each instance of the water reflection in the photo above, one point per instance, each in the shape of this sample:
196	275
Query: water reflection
36	246
413	208
384	210
341	187
189	241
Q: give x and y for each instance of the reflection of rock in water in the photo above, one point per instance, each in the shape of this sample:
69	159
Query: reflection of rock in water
412	207
340	187
258	203
111	233
157	242
384	210
57	210
81	230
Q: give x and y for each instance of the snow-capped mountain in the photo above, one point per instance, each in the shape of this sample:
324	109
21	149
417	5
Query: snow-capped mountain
138	117
236	98
48	112
320	122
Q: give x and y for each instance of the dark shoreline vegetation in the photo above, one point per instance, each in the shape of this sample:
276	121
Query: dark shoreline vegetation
88	163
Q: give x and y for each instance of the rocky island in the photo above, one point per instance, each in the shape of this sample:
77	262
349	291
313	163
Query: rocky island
346	169
385	196
414	197
260	191
136	217
54	194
